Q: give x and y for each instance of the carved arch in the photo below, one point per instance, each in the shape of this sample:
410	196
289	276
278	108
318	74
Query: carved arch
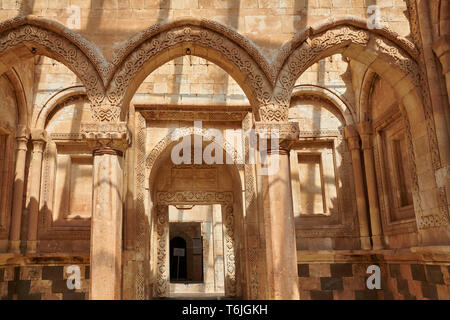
205	39
381	50
24	37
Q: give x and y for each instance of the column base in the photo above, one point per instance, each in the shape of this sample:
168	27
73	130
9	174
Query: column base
377	242
31	246
14	246
365	243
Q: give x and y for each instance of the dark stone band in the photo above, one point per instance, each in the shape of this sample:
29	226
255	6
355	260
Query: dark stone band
103	151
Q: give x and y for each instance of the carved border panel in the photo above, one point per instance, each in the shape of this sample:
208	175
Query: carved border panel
163	200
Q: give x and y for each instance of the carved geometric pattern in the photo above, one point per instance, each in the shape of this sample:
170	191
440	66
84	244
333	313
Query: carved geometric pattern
183	132
141	234
162	240
209	39
61	49
163	200
312	48
230	250
443	217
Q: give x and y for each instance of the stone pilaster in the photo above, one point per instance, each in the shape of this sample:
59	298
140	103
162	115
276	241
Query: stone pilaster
353	143
22	137
366	132
108	142
39	138
442	50
278	210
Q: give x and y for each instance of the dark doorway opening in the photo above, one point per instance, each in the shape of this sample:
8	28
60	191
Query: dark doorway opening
178	265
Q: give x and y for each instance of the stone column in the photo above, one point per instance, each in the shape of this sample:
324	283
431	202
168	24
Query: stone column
366	132
442	49
19	182
353	144
108	142
38	138
278	208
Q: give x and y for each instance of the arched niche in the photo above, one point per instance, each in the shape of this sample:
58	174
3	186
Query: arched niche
322	180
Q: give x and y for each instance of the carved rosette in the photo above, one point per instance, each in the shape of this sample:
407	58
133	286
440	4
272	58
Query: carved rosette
113	137
286	133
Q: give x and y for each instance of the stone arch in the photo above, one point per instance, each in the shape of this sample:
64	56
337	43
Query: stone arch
164	143
364	96
228	199
339	107
203	38
386	53
394	59
22	110
56	101
24	37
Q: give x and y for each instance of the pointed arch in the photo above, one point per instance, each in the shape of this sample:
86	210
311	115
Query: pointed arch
202	38
25	37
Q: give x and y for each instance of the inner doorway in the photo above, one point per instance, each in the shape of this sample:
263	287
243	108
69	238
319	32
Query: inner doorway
196	251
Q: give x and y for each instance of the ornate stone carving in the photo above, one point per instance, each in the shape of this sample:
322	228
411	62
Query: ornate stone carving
62	49
114	136
194	197
230	249
141	232
287	133
163	200
214	41
162	240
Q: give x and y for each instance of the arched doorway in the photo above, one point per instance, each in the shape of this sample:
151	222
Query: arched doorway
205	195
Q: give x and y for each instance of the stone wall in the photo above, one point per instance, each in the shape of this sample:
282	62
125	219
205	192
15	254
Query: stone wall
342	276
42	278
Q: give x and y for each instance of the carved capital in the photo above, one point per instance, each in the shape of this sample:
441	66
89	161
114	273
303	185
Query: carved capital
106	137
274	113
106	113
352	137
366	131
39	138
286	132
22	137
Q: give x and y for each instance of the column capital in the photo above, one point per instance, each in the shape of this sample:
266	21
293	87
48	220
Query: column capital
442	45
38	135
23	132
352	136
106	137
286	132
39	138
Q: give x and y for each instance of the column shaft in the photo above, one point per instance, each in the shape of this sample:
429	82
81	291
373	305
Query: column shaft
361	204
35	187
19	182
371	180
282	230
106	226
